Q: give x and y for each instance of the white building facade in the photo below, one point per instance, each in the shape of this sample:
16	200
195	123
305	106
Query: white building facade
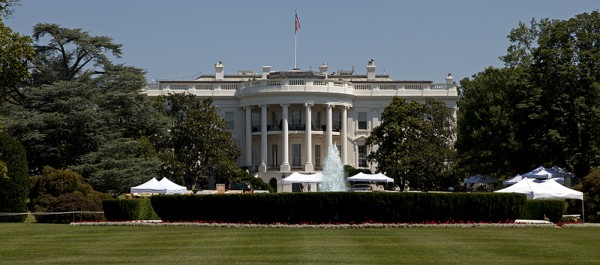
285	121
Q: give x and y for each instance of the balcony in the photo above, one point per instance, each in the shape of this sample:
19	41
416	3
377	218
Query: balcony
239	88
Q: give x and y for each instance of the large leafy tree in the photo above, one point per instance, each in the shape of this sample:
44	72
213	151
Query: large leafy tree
119	164
15	52
550	95
413	144
81	111
14	180
199	146
69	53
559	116
485	125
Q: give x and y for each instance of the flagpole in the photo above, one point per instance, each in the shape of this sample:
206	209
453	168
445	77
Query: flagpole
295	49
295	31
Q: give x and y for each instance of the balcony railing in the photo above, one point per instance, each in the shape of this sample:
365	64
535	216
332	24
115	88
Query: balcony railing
229	88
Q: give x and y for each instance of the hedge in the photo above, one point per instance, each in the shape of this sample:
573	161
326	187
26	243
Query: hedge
340	207
130	209
536	209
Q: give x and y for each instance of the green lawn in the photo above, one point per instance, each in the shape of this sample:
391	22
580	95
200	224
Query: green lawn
64	244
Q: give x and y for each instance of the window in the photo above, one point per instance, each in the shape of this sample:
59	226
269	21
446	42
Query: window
318	155
362	156
230	119
255	121
296	120
317	121
296	155
274	156
337	121
362	120
255	156
274	122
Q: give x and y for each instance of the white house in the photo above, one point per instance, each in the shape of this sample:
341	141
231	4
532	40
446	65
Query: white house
284	121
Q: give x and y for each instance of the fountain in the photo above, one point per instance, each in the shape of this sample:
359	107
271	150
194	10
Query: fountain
333	171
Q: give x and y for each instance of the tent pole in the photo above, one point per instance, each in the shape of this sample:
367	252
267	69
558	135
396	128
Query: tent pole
582	212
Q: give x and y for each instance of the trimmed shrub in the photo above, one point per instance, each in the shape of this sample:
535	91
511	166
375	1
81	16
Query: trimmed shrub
340	207
13	178
59	190
536	209
127	210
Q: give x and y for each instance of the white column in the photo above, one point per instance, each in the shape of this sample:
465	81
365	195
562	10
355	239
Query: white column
285	166
329	125
263	139
248	135
344	135
308	167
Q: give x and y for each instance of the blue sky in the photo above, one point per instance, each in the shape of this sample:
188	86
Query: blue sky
416	40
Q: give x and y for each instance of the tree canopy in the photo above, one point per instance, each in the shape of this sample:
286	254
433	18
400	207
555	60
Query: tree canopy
14	180
82	111
15	52
414	144
546	103
199	146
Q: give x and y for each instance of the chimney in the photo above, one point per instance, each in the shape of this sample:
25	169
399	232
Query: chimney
371	70
219	71
323	69
266	70
449	79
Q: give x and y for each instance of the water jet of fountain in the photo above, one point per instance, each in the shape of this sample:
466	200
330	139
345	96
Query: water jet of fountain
333	171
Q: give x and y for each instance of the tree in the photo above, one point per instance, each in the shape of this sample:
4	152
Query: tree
69	54
486	130
79	101
559	115
14	183
414	144
15	52
551	94
120	164
199	146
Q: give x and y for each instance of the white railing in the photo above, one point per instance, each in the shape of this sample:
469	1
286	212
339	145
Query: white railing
299	85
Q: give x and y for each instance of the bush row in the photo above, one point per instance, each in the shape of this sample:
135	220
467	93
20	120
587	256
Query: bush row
537	209
126	210
340	207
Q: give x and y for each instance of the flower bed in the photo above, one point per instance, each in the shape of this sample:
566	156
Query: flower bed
458	224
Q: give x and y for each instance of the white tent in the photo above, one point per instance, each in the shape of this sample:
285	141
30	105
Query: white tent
151	186
543	189
481	179
513	180
556	173
371	178
172	188
303	178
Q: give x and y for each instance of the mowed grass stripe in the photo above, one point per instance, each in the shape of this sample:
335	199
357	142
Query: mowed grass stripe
63	244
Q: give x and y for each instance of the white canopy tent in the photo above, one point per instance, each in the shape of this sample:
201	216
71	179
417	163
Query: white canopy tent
173	188
151	186
544	189
513	180
480	179
303	178
556	173
379	177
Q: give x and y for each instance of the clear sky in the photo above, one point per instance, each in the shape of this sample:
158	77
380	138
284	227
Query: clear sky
410	40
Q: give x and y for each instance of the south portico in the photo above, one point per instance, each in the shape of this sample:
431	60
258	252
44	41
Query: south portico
305	136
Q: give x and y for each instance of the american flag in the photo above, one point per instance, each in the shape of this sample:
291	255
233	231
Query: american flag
297	23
